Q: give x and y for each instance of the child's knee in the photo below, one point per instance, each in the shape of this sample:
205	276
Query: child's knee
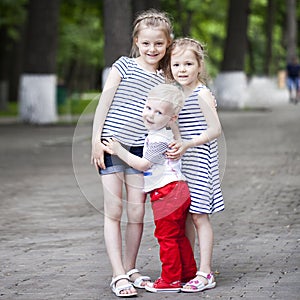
200	219
136	213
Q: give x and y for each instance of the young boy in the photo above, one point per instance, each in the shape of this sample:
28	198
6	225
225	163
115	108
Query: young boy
166	184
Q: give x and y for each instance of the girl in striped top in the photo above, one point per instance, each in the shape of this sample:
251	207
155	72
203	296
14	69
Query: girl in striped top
119	116
199	127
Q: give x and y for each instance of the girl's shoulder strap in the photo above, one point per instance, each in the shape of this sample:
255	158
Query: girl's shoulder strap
198	90
206	92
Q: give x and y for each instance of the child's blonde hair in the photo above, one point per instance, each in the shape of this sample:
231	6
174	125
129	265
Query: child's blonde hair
150	18
171	93
183	44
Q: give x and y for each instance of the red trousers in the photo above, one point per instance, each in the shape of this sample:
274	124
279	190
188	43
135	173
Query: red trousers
170	206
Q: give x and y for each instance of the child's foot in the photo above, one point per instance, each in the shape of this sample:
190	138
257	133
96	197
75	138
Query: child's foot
137	279
161	286
201	282
121	287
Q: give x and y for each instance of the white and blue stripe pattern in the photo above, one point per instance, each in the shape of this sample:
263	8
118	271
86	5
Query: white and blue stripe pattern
124	119
200	164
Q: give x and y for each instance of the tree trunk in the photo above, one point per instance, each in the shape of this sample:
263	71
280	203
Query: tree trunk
231	83
4	67
117	32
269	33
141	5
38	82
236	40
117	29
291	30
16	58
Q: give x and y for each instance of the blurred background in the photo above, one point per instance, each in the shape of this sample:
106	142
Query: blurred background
53	53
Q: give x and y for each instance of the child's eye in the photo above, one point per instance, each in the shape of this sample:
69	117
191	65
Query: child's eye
158	113
145	43
175	65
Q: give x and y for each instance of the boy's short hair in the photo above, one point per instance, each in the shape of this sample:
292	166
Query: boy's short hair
171	93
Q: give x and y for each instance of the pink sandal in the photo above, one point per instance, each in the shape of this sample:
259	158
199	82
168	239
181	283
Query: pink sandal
195	285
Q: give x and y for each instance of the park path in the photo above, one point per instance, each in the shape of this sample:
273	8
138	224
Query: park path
51	225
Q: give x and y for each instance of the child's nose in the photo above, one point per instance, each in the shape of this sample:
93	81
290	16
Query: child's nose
152	47
182	68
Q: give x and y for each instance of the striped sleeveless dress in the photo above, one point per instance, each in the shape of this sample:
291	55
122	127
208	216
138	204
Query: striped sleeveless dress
124	119
200	165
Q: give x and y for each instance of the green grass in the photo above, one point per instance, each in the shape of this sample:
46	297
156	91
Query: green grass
11	111
75	106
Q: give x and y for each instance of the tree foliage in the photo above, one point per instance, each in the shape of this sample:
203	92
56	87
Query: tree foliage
206	21
81	38
257	38
203	20
80	55
12	15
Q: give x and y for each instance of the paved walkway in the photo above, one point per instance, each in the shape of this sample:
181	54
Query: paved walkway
51	225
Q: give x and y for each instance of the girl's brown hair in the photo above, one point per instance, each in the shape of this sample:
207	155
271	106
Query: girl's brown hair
150	18
183	44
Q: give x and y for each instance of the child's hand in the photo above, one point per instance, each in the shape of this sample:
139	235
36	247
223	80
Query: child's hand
97	156
112	145
177	149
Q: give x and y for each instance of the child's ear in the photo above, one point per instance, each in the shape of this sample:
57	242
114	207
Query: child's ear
136	40
173	119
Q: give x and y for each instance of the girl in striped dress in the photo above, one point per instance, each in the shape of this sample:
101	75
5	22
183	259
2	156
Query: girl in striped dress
119	116
199	127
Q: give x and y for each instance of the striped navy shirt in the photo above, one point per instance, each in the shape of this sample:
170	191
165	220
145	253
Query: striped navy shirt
124	119
200	165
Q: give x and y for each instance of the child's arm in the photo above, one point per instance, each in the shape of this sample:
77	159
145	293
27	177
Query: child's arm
175	130
105	101
134	161
207	104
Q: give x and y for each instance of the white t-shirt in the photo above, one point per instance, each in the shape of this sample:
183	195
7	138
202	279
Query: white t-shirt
163	170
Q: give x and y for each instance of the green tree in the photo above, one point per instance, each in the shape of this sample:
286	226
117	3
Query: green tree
38	84
231	83
81	44
236	38
203	20
12	17
291	29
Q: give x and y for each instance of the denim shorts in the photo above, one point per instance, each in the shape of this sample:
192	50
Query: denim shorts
114	164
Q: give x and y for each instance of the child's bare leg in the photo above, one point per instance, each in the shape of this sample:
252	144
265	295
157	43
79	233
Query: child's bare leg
135	220
190	230
112	189
205	237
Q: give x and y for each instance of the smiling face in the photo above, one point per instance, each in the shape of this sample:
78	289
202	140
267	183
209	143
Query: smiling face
185	67
152	44
157	113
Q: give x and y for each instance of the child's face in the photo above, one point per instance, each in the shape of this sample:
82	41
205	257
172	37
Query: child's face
152	44
157	114
185	67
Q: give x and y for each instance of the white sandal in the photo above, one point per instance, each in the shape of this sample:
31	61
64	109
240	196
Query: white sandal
141	279
118	289
195	285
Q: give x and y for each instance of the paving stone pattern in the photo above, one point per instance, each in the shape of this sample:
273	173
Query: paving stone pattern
51	225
